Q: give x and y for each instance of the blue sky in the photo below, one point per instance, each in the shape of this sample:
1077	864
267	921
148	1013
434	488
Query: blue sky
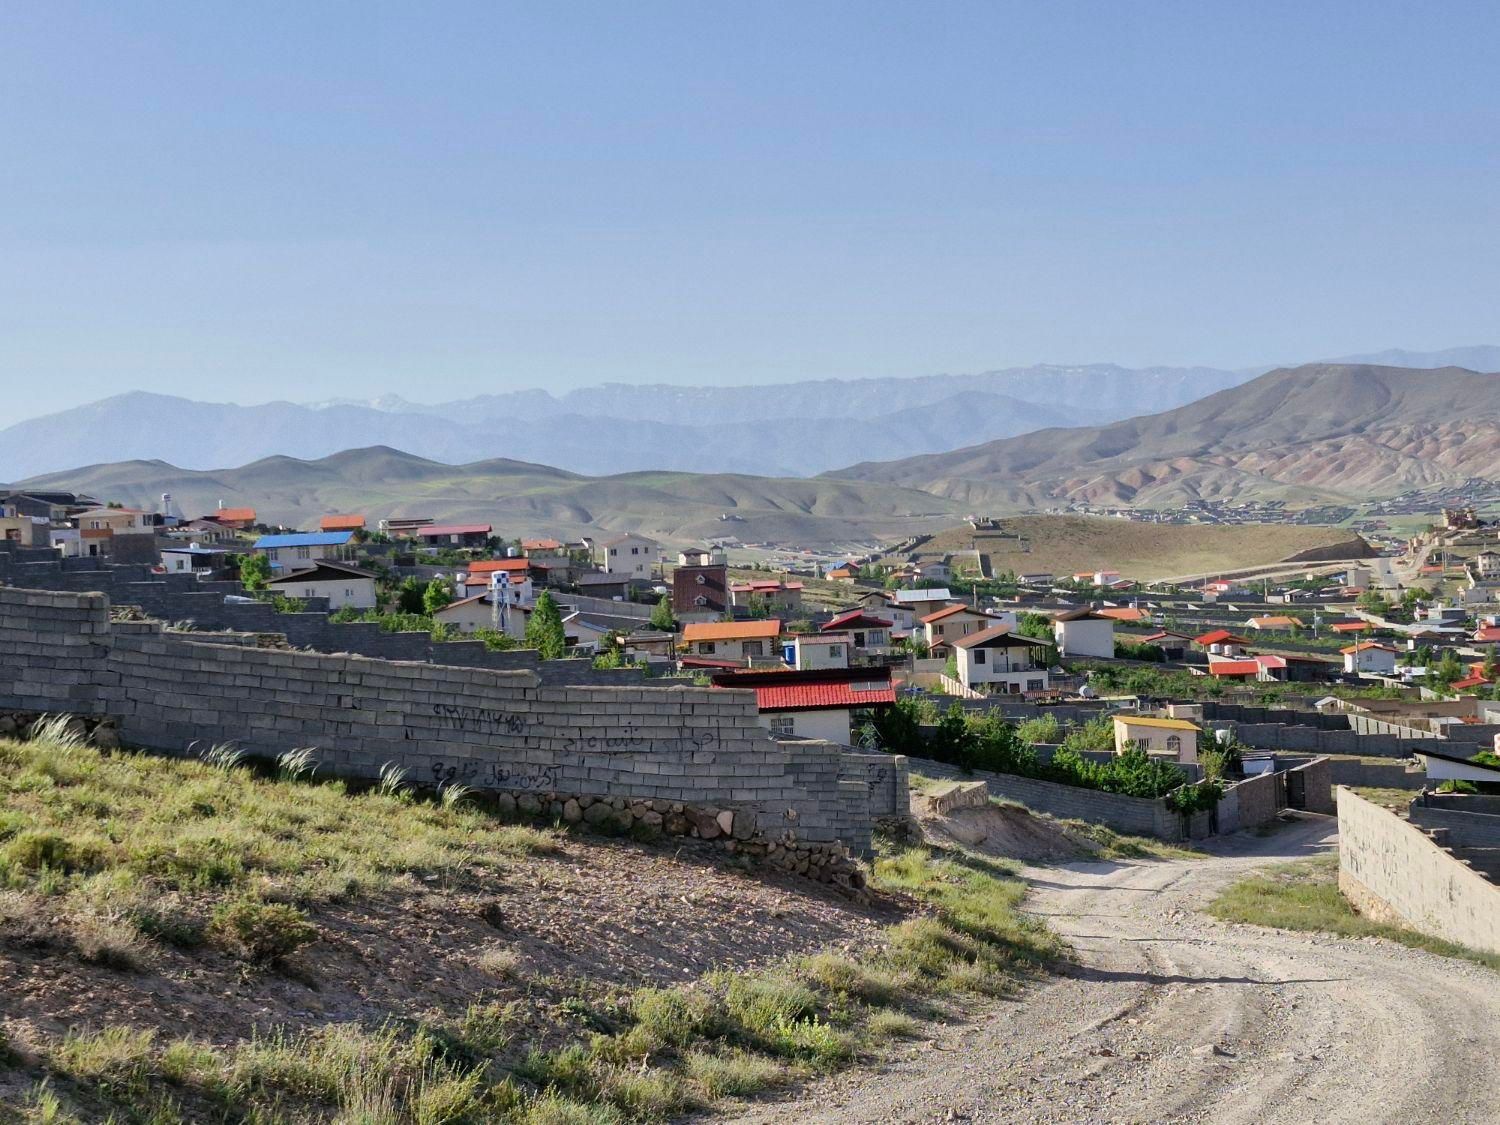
258	201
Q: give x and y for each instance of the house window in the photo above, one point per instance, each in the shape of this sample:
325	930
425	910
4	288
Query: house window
702	580
1034	685
781	726
613	551
311	593
304	552
706	647
835	650
700	600
635	550
753	648
979	656
1174	744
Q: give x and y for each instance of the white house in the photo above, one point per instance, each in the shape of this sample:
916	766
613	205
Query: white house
817	651
999	660
1370	657
190	557
630	556
921	602
731	641
479	611
1082	633
871	635
814	704
342	585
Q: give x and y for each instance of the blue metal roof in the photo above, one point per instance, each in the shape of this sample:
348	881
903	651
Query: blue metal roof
304	539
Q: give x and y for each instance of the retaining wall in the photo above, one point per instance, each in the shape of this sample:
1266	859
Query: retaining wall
1391	871
1136	816
492	730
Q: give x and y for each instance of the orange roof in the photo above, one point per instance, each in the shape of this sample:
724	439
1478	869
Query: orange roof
239	515
731	630
540	545
342	523
1125	613
1275	621
949	611
1351	627
1365	646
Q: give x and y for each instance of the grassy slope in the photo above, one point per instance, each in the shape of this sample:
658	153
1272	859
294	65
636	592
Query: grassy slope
156	910
1070	544
1305	896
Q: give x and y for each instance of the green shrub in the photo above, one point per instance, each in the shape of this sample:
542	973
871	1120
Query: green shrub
262	931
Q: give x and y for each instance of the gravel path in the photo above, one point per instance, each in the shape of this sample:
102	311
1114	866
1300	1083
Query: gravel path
1172	1015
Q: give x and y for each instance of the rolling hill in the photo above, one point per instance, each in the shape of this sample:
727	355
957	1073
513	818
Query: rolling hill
1316	433
522	498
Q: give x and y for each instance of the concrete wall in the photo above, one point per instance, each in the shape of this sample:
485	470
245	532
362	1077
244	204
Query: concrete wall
1316	778
1391	871
1466	828
1362	773
1134	815
1252	802
492	730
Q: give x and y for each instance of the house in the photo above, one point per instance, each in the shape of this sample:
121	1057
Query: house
28	531
454	535
1350	628
1369	657
1173	739
1276	623
517	583
1243	668
1174	646
844	573
871	635
1221	642
824	704
702	556
583	634
113	519
341	523
49	507
882	603
700	591
731	641
814	651
943	626
235	519
1487	563
1487	635
597	585
932	571
546	548
775	594
483	611
300	550
1083	633
1037	579
919	603
404	527
1126	614
1001	661
341	584
631	555
190	558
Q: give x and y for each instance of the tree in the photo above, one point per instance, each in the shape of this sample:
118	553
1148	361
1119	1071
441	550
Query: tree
1372	602
661	616
410	596
544	630
254	571
439	593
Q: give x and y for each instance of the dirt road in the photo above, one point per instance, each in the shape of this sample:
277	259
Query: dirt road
1174	1016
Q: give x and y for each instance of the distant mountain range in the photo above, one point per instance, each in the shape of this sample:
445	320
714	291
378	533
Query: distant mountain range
1317	433
788	429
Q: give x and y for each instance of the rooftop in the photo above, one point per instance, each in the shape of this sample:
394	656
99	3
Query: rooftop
731	630
304	539
1152	721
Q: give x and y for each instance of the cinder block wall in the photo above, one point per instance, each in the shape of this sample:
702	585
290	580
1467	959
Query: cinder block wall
1391	871
1134	815
496	730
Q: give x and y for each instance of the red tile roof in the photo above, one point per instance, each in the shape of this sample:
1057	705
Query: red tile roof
1351	627
827	690
1469	683
1234	668
489	566
949	611
1218	637
731	630
233	515
342	523
1489	634
855	619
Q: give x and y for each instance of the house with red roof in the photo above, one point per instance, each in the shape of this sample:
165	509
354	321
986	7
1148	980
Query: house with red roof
1369	657
942	627
872	635
1221	642
781	595
520	589
824	704
236	519
1174	646
731	642
342	523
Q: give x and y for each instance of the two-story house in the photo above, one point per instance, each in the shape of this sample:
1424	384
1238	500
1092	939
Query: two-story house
999	661
633	556
871	635
942	627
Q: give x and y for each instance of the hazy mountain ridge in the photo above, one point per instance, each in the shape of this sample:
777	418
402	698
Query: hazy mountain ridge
1311	433
520	498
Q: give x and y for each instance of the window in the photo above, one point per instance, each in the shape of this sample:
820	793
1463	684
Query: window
1035	685
702	580
311	592
613	551
635	550
1174	744
781	726
979	656
700	600
754	648
835	650
706	647
304	552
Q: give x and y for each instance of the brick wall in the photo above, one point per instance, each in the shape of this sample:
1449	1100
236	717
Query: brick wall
1391	871
507	730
